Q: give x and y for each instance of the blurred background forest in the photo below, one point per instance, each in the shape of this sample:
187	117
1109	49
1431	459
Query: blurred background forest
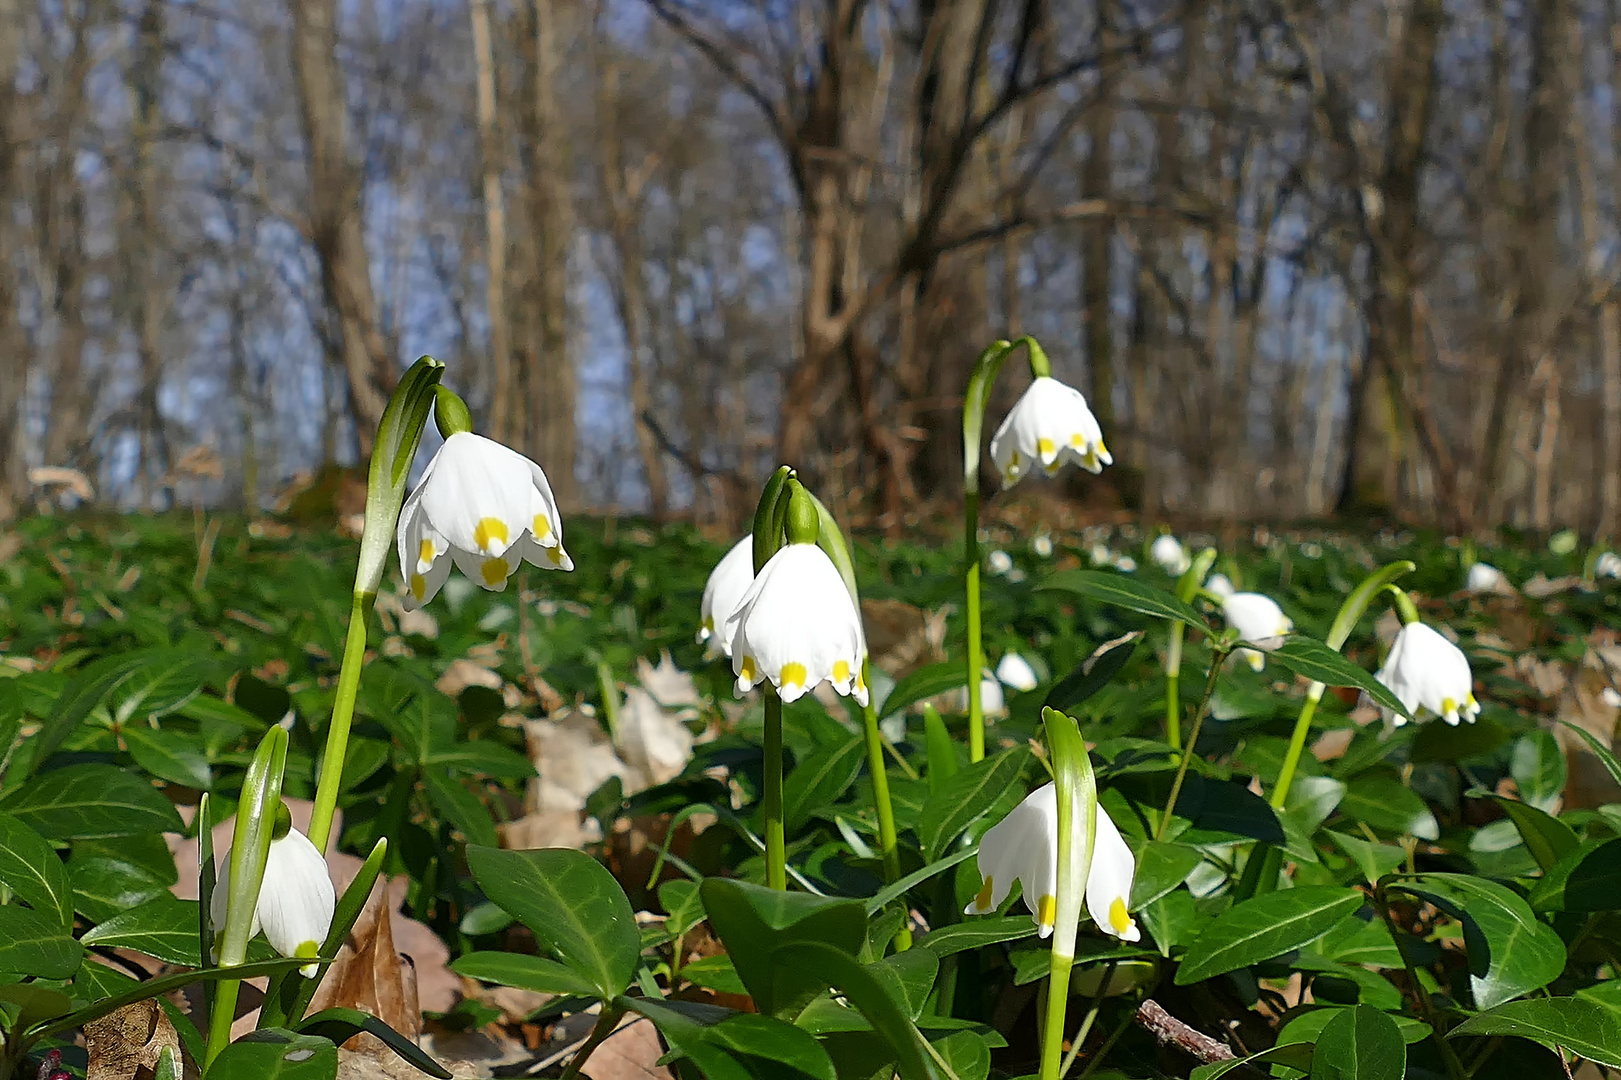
1303	256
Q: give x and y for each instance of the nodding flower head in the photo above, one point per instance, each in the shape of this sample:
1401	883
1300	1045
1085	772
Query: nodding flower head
727	583
1050	425
1427	672
797	627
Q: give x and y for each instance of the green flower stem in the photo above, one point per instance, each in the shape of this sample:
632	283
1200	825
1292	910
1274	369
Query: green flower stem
880	794
250	848
1404	605
1077	789
343	714
1218	656
1187	587
606	1022
1345	621
776	843
973	424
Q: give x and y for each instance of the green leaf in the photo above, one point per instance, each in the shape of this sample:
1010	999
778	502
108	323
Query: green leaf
1449	744
85	690
965	1053
460	807
276	1054
1573	1024
1360	1043
168	755
338	1025
1600	751
1161	867
906	884
1316	661
36	944
1381	800
1122	591
817	783
165	928
910	976
942	752
30	868
525	972
966	797
1546	837
1511	952
1538	767
977	933
685	907
35	1002
866	991
1267	926
757	924
1294	1055
1094	673
728	1045
482	759
924	683
91	800
1373	860
1586	879
715	973
574	906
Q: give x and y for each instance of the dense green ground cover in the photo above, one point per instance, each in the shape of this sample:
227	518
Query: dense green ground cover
135	675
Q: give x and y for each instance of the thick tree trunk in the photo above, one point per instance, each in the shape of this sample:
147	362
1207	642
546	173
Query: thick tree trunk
14	371
145	264
503	404
336	197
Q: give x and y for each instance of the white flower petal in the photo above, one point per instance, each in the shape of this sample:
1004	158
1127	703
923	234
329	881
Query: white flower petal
1108	883
1015	671
297	900
1427	672
1050	425
797	626
726	587
1258	619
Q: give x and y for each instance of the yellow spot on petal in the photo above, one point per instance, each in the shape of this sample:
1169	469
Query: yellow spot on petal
419	586
488	533
1014	460
982	902
425	552
709	623
748	673
1047	910
841	671
1077	440
555	555
1045	447
540	526
792	674
1257	661
1090	462
1448	706
1118	917
493	571
1470	701
860	683
1102	450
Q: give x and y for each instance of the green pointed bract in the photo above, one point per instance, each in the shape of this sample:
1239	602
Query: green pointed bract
398	436
450	412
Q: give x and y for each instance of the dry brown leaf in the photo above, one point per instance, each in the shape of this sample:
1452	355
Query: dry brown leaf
630	1053
125	1044
370	975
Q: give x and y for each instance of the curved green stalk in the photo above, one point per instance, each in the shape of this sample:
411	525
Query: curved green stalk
1218	656
1077	790
343	715
250	849
1186	588
1344	622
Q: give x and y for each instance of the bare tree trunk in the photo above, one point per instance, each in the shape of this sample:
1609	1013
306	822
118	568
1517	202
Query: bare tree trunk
624	209
336	194
14	371
146	260
552	383
503	401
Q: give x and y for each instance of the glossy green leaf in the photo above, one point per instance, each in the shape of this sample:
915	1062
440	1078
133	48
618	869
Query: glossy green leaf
976	933
575	908
91	800
525	972
1538	767
1293	1055
460	807
85	690
757	924
728	1045
1600	751
30	868
1267	926
1573	1024
1161	867
1583	880
1316	661
818	782
685	907
169	755
1126	592
339	1025
1094	673
1360	1043
941	750
966	1054
868	993
276	1054
967	796
909	976
924	683
165	928
1372	860
1382	801
911	881
1546	837
36	944
1511	952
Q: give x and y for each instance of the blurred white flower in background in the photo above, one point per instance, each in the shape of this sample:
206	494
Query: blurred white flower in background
999	561
1427	672
1259	622
1483	577
1015	671
1168	553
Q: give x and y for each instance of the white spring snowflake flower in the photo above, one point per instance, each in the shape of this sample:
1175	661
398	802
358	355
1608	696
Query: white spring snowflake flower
296	899
1426	671
727	584
1049	425
1259	622
797	627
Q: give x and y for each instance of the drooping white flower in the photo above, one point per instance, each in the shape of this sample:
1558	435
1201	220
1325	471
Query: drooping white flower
1024	846
484	507
999	561
1259	622
727	583
1125	564
1608	565
1426	671
1100	555
992	703
1484	577
1168	553
1049	425
1015	671
1219	585
797	626
296	899
1042	545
